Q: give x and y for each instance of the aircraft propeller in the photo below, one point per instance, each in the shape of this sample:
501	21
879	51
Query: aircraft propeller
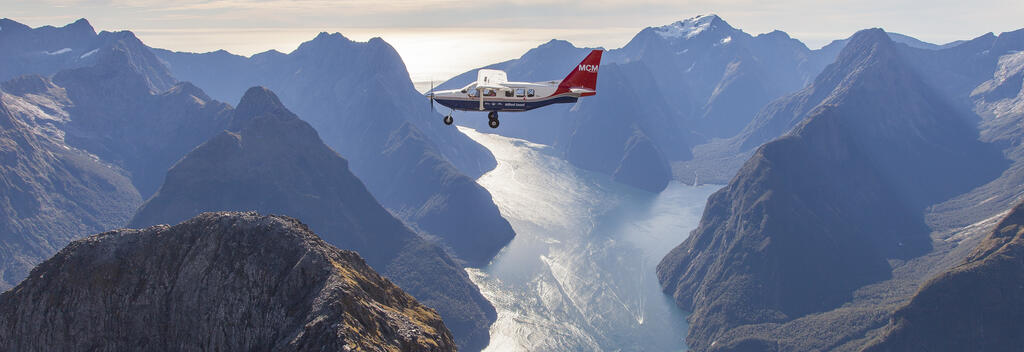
431	95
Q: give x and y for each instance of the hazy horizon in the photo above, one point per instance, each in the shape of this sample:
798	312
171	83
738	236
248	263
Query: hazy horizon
439	39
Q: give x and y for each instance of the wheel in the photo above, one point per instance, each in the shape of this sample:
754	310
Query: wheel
493	115
448	120
493	123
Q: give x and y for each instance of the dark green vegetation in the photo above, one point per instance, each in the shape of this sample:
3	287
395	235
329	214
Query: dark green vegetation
976	305
221	281
51	196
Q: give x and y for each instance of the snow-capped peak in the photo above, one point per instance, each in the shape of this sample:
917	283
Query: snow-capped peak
688	28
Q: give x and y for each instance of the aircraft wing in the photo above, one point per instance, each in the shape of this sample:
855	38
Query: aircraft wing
486	78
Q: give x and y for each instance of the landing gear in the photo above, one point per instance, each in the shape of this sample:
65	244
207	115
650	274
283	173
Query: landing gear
492	119
448	120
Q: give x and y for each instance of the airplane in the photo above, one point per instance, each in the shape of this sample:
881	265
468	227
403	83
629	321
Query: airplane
493	92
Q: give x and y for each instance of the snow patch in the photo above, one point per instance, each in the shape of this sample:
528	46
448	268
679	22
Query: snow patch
58	52
726	40
93	51
688	28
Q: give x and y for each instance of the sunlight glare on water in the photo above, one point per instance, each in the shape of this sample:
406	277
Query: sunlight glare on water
580	274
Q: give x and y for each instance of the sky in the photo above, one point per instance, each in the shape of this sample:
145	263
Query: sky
439	39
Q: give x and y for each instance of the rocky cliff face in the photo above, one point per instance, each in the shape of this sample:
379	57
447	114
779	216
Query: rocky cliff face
999	102
643	165
816	214
974	306
50	194
623	132
78	137
220	281
117	116
271	161
124	106
360	99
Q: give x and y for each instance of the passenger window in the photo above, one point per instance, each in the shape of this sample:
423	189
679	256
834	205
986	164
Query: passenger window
520	92
474	93
529	93
490	93
508	93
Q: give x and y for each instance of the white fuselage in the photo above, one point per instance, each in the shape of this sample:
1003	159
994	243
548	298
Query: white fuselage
493	92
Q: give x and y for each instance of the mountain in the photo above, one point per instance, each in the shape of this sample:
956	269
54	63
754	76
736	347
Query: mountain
271	161
188	287
619	132
999	103
624	133
117	117
47	50
717	76
714	77
51	194
364	84
838	44
125	107
958	70
973	306
359	98
718	161
86	146
643	165
825	210
954	71
693	80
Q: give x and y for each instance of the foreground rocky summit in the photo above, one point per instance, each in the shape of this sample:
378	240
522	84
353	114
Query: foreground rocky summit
220	281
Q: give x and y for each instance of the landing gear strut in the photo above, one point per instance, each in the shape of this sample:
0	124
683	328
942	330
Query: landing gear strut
492	119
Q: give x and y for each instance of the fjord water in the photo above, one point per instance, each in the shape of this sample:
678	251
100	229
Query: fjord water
580	274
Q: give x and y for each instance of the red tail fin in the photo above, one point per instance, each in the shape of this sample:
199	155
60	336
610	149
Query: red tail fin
583	75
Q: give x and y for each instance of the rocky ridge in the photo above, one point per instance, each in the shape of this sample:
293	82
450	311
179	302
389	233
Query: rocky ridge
220	281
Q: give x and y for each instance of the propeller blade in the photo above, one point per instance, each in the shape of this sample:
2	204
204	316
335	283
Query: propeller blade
432	95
